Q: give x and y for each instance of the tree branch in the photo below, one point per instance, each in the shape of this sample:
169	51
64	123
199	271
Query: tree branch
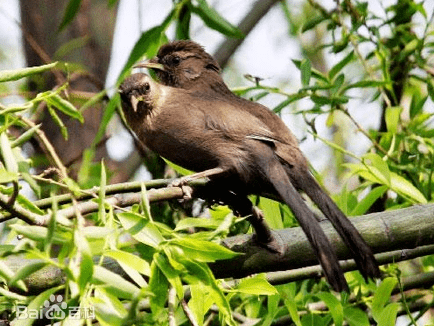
393	233
386	231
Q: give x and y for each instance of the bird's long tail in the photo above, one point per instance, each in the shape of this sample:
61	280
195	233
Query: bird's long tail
359	249
327	257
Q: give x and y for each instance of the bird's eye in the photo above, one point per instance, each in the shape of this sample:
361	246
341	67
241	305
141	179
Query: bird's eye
146	87
176	60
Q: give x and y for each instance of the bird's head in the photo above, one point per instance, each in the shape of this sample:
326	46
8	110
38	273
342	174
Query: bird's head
138	93
181	63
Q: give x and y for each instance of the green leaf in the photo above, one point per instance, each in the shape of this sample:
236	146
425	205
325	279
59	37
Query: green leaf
39	233
7	154
197	302
8	274
202	272
289	100
363	206
142	230
315	73
287	292
183	23
312	23
320	100
35	305
271	210
203	251
25	136
133	261
214	20
58	122
195	222
27	270
133	265
311	319
10	75
382	296
334	305
177	168
171	274
7	176
64	106
257	285
356	317
430	87
147	45
305	69
404	188
159	286
388	315
93	100
86	263
70	12
378	167
341	64
392	117
109	310
115	283
107	116
367	83
101	194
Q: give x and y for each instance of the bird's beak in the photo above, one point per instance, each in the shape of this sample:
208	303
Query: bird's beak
134	103
150	64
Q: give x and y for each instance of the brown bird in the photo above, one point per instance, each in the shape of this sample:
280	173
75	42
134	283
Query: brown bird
243	147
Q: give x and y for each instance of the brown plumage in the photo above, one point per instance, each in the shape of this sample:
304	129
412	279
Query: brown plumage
195	121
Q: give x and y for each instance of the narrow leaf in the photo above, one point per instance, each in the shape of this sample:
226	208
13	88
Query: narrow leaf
6	151
340	65
65	106
203	251
334	305
356	317
10	75
382	296
257	285
142	230
305	69
363	206
70	12
115	283
133	261
215	21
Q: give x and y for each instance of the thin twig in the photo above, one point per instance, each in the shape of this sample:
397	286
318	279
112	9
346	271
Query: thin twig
48	146
365	133
172	306
16	210
188	313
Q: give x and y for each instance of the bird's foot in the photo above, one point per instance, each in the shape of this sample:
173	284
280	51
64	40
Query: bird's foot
274	243
183	184
264	236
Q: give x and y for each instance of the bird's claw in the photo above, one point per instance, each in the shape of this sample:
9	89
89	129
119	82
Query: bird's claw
183	184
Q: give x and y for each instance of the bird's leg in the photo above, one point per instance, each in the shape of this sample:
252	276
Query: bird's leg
263	233
183	181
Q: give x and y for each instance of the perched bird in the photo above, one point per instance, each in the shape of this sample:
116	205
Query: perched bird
241	146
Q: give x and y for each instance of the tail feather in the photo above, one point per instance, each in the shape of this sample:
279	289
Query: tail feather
316	236
359	249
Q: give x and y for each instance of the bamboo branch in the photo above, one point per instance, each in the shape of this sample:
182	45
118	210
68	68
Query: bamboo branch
386	231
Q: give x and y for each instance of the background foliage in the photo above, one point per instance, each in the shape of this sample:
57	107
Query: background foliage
137	263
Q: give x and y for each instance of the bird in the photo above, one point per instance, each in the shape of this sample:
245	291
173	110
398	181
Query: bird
240	145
